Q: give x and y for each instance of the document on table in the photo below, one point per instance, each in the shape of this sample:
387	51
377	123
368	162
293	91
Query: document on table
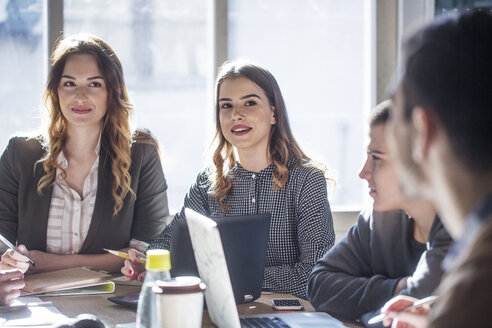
31	311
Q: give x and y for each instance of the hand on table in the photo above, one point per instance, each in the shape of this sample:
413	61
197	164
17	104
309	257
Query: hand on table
134	270
11	281
13	260
415	318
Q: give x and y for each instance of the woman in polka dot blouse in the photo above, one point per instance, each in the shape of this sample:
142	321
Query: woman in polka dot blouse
259	168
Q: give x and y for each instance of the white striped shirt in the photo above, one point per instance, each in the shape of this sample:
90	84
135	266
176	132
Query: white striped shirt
70	214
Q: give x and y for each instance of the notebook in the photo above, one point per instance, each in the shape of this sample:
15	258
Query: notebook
245	240
211	263
73	281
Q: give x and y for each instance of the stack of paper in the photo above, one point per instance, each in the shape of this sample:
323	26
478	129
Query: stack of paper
75	281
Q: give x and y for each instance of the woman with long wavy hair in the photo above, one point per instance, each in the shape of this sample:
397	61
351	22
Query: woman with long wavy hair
89	182
258	167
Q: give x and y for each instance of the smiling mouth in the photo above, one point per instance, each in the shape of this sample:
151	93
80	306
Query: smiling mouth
240	131
81	110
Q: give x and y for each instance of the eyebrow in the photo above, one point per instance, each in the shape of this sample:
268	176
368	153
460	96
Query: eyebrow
243	97
90	78
374	152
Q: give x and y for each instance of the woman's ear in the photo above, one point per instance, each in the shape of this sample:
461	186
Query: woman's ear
273	120
424	126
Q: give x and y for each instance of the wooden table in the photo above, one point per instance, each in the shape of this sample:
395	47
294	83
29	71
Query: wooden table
112	314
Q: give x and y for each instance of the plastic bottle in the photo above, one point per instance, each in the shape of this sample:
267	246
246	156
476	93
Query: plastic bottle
158	265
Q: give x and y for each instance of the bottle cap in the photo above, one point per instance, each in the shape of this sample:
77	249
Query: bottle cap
158	259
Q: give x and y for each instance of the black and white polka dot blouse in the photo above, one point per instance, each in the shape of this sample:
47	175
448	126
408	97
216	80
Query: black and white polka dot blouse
301	228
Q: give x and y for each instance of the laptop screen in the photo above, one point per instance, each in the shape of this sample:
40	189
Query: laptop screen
244	239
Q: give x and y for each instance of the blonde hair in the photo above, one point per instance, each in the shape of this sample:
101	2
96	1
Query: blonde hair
282	145
116	135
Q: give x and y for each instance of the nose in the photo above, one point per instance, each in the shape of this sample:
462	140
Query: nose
366	170
237	114
80	93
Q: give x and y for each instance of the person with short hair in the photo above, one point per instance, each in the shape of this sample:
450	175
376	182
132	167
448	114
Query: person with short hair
441	134
395	248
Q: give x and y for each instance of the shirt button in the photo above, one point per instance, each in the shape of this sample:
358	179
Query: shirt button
76	234
253	200
253	176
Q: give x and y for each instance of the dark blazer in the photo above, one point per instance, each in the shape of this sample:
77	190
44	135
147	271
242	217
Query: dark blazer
24	213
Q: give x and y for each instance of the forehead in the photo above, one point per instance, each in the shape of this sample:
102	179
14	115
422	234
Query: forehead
238	87
81	63
377	140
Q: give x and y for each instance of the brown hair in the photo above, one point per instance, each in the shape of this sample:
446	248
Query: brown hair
282	145
380	113
116	135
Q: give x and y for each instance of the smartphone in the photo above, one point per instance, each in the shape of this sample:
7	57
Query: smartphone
130	301
286	304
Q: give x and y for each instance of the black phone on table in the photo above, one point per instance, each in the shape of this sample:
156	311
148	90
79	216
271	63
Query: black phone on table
127	300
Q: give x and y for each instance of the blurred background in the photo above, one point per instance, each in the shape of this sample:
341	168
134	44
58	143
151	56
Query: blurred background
329	57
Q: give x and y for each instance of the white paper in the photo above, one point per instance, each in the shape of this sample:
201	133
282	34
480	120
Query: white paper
31	315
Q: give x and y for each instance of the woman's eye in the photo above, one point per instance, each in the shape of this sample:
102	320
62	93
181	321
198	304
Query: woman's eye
250	103
225	106
68	84
375	158
95	84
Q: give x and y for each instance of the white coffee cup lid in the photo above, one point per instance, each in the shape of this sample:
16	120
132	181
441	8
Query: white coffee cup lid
179	285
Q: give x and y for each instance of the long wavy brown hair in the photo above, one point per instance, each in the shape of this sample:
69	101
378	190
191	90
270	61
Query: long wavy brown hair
282	145
116	135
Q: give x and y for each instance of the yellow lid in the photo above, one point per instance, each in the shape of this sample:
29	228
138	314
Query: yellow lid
158	259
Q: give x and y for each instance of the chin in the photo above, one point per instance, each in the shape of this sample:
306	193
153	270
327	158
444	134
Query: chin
384	206
381	208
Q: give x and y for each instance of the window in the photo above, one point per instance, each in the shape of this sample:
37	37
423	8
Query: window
323	75
21	66
164	50
444	7
167	55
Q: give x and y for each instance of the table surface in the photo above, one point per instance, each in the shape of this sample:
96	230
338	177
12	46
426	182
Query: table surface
112	314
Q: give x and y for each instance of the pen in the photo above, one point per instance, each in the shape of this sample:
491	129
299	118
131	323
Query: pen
9	244
124	255
419	303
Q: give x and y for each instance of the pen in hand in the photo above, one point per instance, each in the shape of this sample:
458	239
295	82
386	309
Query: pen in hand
124	255
380	317
9	244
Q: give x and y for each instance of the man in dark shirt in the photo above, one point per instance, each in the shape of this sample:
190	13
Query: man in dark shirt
395	248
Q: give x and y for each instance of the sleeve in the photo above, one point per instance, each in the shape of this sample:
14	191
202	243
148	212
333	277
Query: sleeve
9	186
196	199
151	208
315	235
428	273
343	282
464	293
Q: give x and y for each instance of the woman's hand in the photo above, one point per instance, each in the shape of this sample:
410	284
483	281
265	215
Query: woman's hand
13	260
132	268
415	318
11	281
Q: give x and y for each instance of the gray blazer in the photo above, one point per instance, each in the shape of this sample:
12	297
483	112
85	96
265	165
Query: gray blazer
24	213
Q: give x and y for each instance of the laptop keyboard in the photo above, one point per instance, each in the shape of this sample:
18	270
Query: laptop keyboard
263	322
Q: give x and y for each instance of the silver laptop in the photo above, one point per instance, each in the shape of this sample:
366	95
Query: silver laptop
212	267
